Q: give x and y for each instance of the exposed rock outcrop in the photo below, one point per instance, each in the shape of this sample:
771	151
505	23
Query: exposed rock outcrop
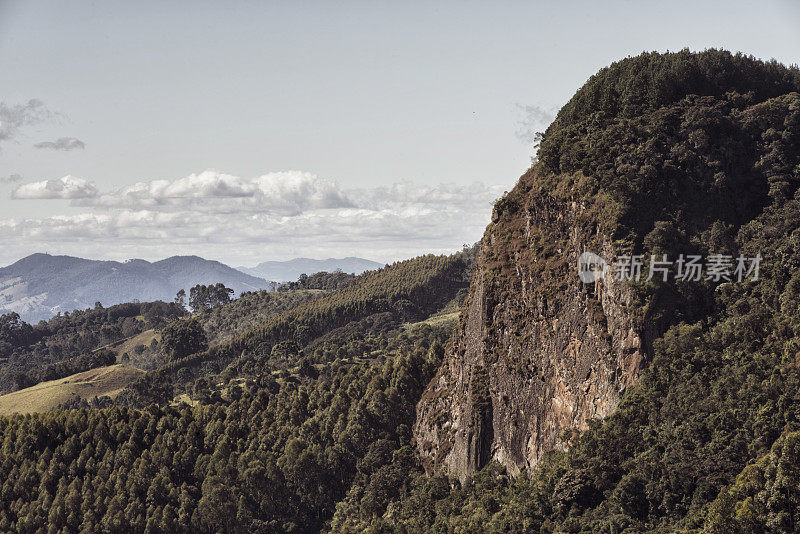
538	353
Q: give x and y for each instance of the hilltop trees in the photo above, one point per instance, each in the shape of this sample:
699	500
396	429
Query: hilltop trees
321	280
13	332
202	298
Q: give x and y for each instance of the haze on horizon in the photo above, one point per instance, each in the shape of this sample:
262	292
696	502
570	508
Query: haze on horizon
268	131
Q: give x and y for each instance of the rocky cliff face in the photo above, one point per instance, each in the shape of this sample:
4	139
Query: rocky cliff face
538	353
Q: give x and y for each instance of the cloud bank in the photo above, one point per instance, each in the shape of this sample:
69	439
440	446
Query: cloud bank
62	143
247	220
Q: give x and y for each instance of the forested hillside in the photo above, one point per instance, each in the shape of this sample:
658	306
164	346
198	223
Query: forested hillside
408	291
317	399
276	456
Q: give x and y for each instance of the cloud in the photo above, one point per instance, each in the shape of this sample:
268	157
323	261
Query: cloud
296	192
351	231
62	143
289	193
13	118
10	179
67	187
176	194
535	119
445	196
284	193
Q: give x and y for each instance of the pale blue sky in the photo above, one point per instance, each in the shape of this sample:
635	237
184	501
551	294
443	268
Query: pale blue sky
360	94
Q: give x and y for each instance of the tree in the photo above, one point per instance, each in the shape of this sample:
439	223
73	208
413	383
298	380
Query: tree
180	298
13	330
199	298
21	381
220	295
183	337
202	298
217	507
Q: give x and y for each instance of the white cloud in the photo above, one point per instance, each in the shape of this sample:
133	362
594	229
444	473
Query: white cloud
245	221
174	194
67	187
208	184
62	143
296	192
286	193
446	196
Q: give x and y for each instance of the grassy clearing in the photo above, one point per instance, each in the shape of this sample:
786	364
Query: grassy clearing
184	398
47	395
436	320
145	338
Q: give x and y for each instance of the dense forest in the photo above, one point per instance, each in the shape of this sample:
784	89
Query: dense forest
276	455
293	411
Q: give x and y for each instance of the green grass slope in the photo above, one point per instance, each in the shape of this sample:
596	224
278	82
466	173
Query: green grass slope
102	381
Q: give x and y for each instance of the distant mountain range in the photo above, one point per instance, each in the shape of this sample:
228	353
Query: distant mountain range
40	285
286	271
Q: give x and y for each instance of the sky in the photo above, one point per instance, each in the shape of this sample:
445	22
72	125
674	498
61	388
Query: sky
255	131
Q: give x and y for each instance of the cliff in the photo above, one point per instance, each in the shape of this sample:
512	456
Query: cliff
538	353
659	154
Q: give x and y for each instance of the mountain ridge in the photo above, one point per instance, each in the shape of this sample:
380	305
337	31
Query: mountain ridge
41	285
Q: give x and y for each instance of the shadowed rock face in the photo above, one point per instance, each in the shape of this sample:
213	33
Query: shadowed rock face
538	353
